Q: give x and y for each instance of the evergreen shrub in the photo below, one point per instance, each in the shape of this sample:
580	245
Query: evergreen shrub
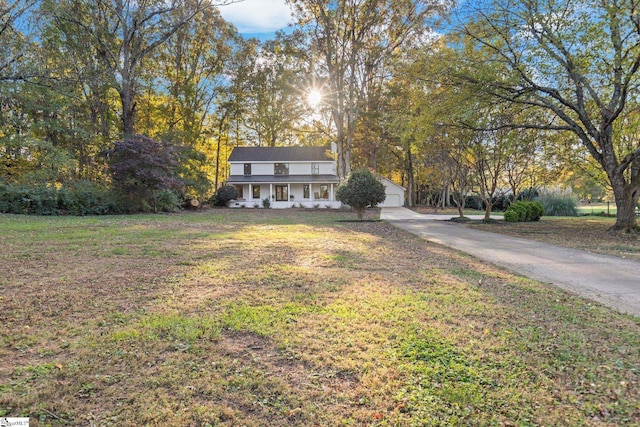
87	198
167	201
224	195
361	189
524	211
79	198
520	209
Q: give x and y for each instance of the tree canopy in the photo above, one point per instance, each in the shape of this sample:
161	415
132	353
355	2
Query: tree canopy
577	61
451	101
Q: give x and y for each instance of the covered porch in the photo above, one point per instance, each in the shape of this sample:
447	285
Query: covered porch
283	195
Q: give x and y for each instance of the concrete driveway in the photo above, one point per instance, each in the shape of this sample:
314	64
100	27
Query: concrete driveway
612	281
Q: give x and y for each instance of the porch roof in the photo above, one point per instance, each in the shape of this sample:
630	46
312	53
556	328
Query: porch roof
283	179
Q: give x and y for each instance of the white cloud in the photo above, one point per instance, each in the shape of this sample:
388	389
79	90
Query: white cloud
257	16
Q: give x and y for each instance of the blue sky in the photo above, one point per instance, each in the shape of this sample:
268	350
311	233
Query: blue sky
258	18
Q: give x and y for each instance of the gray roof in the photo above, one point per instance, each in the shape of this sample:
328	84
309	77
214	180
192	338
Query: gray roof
282	179
279	154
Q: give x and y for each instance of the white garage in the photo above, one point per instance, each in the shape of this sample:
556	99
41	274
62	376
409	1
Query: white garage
394	192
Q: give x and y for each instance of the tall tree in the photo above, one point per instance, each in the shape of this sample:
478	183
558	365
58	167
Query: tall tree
123	33
578	60
194	73
275	96
350	39
15	18
231	108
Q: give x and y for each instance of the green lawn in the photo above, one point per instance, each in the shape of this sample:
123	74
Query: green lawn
597	209
292	318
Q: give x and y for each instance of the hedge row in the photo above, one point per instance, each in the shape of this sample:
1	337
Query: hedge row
524	211
81	199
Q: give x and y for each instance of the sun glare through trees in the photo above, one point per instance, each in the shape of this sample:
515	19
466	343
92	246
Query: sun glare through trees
314	98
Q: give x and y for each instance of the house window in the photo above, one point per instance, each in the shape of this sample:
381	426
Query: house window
247	169
305	191
281	169
315	168
282	193
256	191
239	189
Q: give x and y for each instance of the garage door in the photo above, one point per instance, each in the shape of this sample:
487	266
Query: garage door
392	200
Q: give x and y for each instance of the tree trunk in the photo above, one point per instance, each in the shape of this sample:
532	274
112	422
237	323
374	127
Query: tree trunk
128	112
215	185
411	179
221	126
374	158
487	212
626	198
624	183
340	143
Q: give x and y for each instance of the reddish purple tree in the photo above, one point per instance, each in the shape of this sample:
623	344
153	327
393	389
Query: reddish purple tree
141	167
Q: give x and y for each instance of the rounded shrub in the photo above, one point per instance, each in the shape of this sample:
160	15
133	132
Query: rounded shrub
538	211
224	195
520	209
361	189
511	215
530	211
524	211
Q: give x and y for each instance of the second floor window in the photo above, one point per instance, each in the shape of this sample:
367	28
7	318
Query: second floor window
315	168
247	169
281	169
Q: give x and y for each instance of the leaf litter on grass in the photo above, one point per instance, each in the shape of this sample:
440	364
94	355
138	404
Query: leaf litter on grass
295	318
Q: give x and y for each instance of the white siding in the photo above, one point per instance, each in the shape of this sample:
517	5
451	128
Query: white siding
327	168
298	168
237	169
262	169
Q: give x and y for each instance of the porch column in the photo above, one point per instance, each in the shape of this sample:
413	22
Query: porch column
311	191
288	192
271	192
250	198
331	193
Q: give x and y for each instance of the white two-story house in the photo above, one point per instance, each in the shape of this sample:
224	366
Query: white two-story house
287	176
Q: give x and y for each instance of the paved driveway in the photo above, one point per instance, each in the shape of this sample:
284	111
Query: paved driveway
612	281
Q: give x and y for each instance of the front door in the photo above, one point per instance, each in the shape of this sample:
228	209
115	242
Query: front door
282	193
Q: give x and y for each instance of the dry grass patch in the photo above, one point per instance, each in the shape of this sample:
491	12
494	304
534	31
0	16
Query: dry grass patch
292	318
